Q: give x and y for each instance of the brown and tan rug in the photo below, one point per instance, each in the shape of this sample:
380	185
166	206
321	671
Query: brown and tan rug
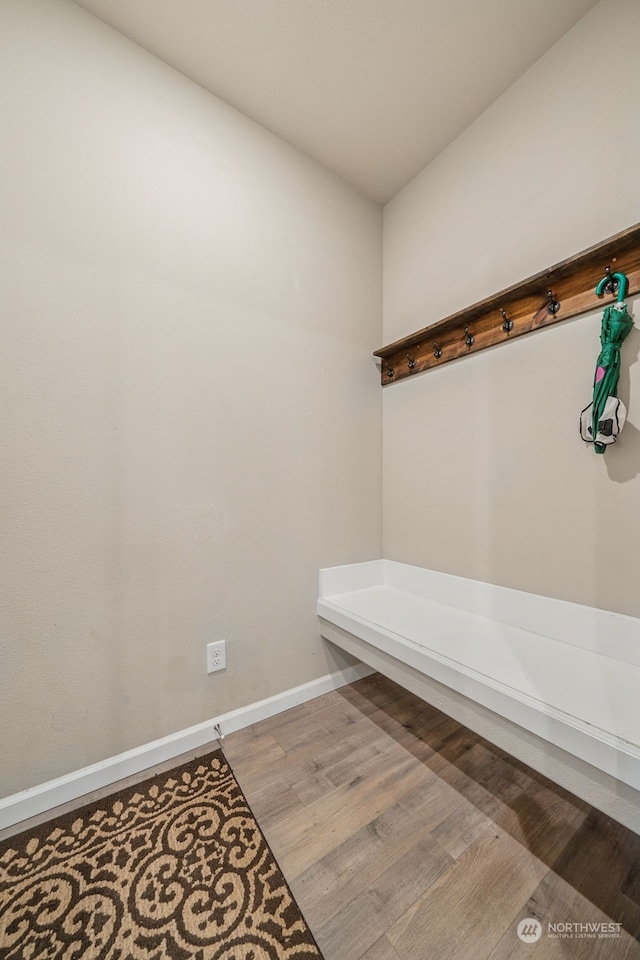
175	868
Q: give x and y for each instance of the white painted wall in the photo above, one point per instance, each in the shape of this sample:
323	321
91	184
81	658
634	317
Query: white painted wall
484	472
191	420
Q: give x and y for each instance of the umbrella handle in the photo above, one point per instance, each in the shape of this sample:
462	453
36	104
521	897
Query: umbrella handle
623	285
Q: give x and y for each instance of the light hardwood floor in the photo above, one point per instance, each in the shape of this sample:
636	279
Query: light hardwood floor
404	836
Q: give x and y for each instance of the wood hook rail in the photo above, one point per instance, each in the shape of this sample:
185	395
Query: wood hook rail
563	291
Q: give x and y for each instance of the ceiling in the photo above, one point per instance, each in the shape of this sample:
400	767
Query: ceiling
372	89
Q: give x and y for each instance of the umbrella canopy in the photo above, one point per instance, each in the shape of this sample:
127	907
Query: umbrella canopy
602	420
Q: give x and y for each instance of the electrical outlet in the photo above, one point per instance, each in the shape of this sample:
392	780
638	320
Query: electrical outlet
216	656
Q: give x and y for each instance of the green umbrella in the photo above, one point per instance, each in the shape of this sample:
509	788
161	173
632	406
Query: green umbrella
602	420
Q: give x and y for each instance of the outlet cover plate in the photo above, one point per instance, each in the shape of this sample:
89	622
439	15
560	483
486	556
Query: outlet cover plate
216	656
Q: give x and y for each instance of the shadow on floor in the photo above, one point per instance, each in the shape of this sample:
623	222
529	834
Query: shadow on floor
598	857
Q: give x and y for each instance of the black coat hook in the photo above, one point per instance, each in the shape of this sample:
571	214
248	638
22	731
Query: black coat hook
410	362
615	283
437	352
553	305
389	371
612	284
507	325
469	338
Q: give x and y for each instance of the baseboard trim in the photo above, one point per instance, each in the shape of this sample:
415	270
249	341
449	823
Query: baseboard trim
53	793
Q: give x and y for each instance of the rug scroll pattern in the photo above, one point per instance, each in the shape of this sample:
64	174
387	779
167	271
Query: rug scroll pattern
173	869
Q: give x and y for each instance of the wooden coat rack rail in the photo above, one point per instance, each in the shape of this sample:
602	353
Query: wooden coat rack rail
563	291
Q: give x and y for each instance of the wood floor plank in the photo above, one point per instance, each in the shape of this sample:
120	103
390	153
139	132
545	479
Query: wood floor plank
335	718
381	950
357	927
463	915
312	771
463	825
307	836
290	766
421	735
307	731
311	738
257	752
372	752
538	814
629	950
599	848
352	867
631	885
307	789
627	912
555	901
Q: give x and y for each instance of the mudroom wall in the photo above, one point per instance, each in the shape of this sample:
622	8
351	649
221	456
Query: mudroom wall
193	429
485	475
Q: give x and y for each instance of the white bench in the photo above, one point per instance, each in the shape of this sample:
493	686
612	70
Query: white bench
555	683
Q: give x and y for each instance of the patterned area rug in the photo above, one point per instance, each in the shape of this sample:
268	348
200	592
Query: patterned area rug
175	868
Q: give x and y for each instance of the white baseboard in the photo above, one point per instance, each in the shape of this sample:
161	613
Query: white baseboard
53	793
